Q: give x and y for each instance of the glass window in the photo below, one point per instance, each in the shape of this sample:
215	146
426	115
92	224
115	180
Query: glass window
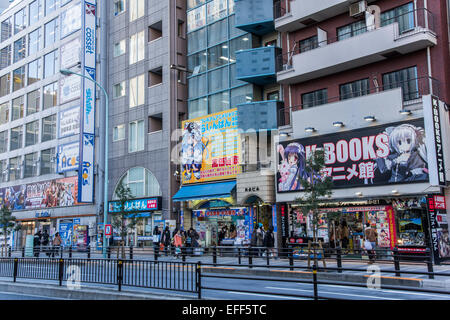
34	71
354	89
196	18
218	56
217	32
35	11
136	136
50	6
197	86
49	128
17	108
119	6
197	62
20	20
219	102
137	9
14	168
235	82
31	165
48	163
405	79
32	133
194	3
137	47
137	91
34	41
5	84
351	30
3	141
119	90
196	41
33	101
51	64
5	57
241	95
230	6
216	9
4	113
19	78
198	108
141	182
233	31
237	44
120	48
50	94
6	29
218	80
119	132
308	44
16	138
51	32
314	98
403	15
19	49
4	170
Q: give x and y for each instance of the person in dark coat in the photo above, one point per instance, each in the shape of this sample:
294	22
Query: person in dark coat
165	239
156	239
46	243
269	242
37	243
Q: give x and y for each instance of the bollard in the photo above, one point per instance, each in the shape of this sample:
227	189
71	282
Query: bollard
108	252
155	254
61	271
268	256
9	252
315	281
239	255
120	274
89	252
396	262
215	255
199	279
339	259
291	257
131	252
430	264
23	252
250	260
70	252
16	264
183	254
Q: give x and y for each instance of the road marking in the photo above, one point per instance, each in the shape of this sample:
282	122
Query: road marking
334	293
267	295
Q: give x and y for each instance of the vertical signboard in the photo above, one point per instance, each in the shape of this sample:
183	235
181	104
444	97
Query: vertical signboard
87	115
438	224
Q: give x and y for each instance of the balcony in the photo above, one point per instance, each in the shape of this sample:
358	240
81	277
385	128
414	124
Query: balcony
255	16
291	15
347	52
258	116
258	66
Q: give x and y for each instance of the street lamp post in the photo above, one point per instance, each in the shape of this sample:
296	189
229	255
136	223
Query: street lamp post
105	191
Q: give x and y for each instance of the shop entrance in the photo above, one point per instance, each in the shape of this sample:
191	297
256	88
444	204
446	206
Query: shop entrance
26	230
263	212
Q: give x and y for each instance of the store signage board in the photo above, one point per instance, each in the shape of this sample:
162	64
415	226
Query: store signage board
438	225
108	230
68	157
136	205
220	212
369	156
69	88
71	20
71	54
69	122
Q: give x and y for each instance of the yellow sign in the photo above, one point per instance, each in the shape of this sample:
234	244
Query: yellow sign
210	148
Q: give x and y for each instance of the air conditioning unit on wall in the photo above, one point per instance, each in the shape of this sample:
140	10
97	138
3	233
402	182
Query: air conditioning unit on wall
358	8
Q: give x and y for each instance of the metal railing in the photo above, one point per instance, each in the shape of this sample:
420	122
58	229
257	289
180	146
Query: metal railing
412	90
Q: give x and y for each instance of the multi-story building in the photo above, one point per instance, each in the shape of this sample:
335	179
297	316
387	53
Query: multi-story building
146	49
367	81
44	116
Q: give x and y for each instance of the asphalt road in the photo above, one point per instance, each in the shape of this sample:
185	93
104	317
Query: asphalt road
16	296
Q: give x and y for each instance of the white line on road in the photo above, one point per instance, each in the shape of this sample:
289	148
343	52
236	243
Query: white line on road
266	295
394	291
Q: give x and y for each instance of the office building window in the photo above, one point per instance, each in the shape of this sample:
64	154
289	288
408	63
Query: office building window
238	44
120	48
155	31
19	78
403	15
241	95
198	108
155	77
31	165
194	3
51	64
137	9
351	30
219	102
217	32
354	89
141	182
155	123
14	168
119	6
49	128
137	91
18	108
308	44
5	84
6	29
34	71
4	170
4	113
405	79
16	138
50	6
218	56
32	133
3	141
36	11
34	42
314	98
137	47
197	62
51	30
20	20
50	95
197	86
218	80
197	41
5	57
48	161
19	49
136	136
119	132
119	90
33	101
216	9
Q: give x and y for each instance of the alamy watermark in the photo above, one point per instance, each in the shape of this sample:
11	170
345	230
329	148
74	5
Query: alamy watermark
374	279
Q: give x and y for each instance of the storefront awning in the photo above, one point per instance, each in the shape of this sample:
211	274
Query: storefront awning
205	191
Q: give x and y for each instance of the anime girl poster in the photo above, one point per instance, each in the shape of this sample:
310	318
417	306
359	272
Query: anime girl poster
193	146
291	167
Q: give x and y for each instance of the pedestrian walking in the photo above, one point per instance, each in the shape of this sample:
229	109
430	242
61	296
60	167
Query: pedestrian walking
56	244
37	243
371	236
260	238
46	243
178	243
165	240
344	233
269	242
253	243
156	240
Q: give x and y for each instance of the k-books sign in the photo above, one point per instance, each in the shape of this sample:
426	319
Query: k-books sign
87	136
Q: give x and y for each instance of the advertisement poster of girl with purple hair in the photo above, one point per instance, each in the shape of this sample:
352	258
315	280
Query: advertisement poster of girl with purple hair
292	167
192	148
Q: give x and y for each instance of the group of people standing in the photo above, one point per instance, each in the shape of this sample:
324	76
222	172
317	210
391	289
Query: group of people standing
171	243
42	242
263	239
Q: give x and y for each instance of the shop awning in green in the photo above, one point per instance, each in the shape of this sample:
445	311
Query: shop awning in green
205	191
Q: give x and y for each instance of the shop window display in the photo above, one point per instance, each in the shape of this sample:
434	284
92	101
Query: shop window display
410	228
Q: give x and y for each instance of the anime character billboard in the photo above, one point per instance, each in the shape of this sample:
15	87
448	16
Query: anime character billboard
210	148
388	154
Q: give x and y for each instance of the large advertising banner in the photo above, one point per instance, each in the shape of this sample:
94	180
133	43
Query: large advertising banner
68	157
87	118
381	155
210	148
69	122
70	20
70	53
